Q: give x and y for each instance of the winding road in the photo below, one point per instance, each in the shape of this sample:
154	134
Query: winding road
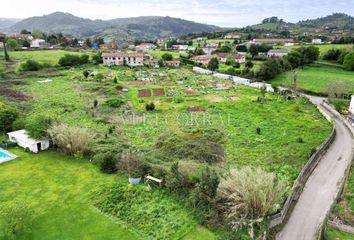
322	186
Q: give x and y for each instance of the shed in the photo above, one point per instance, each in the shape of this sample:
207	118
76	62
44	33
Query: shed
23	140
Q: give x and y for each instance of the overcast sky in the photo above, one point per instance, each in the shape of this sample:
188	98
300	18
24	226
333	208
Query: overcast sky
225	13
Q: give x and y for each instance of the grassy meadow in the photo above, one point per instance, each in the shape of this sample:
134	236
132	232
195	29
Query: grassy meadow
318	77
52	184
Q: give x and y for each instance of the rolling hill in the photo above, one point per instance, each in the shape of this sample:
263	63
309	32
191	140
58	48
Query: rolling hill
121	28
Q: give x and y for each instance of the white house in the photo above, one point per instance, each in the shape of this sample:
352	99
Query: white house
23	140
351	107
316	41
39	43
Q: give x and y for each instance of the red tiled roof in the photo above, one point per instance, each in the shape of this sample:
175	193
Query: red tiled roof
235	56
123	54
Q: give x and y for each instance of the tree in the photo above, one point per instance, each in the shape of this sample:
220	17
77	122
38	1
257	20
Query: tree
88	42
38	34
167	57
30	65
253	50
199	51
349	61
225	49
6	55
12	43
213	64
249	64
26	44
38	125
294	58
294	75
8	115
97	58
336	89
230	60
332	54
241	48
24	31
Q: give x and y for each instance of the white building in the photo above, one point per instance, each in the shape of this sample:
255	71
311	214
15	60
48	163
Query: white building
316	41
39	43
278	52
132	59
23	140
351	107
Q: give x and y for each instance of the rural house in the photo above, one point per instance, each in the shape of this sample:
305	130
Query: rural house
232	36
203	59
132	59
108	46
272	41
23	36
172	63
145	47
278	52
23	140
39	43
240	58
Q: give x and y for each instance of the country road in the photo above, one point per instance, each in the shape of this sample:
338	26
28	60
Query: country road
322	186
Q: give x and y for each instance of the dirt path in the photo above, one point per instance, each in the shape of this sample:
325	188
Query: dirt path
321	188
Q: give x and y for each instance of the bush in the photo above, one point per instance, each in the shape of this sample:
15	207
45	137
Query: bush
107	162
86	73
30	65
332	55
167	57
97	58
150	106
131	162
249	64
115	102
248	195
203	196
179	181
213	64
203	145
38	125
178	99
99	77
71	140
8	116
349	61
70	60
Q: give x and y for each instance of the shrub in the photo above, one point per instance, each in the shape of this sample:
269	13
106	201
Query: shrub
99	77
349	61
115	102
97	58
150	106
86	73
131	162
213	64
30	65
8	116
95	103
203	145
37	125
178	99
71	140
178	181
300	140
167	57
248	195
249	64
107	162
258	130
115	80
332	55
70	60
203	196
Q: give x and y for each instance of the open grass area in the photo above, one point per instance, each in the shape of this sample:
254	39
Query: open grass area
58	191
333	234
158	54
323	47
288	131
317	77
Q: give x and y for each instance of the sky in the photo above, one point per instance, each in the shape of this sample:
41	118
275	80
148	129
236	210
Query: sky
224	13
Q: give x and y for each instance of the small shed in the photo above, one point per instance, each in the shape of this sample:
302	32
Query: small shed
23	140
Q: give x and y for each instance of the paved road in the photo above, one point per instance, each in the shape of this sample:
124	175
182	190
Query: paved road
321	188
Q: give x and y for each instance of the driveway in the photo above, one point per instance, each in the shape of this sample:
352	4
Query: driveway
322	186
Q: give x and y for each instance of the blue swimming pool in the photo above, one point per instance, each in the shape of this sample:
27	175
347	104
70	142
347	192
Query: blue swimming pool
4	155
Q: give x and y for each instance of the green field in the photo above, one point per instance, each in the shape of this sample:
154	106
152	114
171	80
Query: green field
323	47
317	77
158	54
333	234
57	190
290	130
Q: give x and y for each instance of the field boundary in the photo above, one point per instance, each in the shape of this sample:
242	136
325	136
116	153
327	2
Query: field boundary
278	220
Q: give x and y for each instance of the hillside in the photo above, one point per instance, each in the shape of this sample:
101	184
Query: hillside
338	21
5	23
120	28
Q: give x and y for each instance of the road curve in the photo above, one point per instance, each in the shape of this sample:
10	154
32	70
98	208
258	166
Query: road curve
322	186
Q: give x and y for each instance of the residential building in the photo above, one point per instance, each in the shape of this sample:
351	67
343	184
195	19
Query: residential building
232	36
145	47
39	43
151	62
23	36
2	36
240	58
172	63
131	59
23	140
203	59
182	48
317	41
278	52
271	41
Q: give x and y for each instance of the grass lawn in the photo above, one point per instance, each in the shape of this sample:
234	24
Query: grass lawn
317	77
333	234
58	190
158	54
323	47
